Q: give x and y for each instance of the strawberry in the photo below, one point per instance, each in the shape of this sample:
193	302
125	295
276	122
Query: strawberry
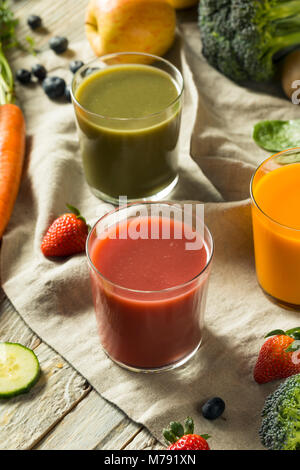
66	236
276	358
184	438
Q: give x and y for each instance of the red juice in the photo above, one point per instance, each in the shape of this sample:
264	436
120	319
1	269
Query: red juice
149	294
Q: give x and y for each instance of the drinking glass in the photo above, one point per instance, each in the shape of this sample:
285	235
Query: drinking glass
277	246
133	157
148	330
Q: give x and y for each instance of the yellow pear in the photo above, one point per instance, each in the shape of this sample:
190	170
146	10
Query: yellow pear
130	26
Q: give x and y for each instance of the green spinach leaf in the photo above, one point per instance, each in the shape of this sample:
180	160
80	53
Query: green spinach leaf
277	135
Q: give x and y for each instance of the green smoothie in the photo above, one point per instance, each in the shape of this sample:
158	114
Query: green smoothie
128	118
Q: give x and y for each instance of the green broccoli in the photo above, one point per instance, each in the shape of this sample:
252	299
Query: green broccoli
241	37
280	428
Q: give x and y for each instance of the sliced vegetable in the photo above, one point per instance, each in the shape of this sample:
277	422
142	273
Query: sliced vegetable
19	369
277	135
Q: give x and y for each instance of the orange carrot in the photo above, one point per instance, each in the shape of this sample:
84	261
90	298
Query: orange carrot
12	150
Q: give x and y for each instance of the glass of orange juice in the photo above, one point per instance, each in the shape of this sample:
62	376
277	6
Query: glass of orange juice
275	194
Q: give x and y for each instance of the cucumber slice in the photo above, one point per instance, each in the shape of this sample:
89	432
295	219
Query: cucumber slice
19	369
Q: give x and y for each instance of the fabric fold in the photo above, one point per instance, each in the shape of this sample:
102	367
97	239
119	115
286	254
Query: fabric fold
54	297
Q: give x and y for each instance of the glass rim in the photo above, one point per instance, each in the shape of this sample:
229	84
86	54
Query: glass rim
251	188
144	54
138	291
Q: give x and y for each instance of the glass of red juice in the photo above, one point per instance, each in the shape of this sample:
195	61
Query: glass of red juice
150	265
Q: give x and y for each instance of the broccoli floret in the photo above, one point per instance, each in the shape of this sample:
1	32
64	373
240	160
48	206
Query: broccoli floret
280	428
241	37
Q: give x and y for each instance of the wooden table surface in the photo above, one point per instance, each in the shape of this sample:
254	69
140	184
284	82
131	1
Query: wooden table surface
62	411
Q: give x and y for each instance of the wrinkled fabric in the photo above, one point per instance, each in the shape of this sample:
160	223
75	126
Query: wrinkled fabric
217	159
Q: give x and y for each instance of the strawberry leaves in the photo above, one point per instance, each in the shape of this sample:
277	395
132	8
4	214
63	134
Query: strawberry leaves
175	430
180	437
295	346
188	425
169	436
205	436
76	212
292	333
274	333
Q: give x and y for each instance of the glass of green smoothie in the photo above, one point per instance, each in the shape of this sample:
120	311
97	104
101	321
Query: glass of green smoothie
128	109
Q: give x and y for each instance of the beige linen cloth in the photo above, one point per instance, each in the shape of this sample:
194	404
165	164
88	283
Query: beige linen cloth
54	297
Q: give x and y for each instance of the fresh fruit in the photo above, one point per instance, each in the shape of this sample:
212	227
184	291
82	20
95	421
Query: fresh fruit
66	236
130	26
34	21
39	71
183	438
180	4
76	65
213	408
19	369
23	76
276	358
58	44
190	442
54	87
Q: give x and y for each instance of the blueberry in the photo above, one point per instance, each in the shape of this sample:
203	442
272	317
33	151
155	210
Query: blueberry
23	76
34	21
68	94
58	44
54	87
76	65
39	71
213	408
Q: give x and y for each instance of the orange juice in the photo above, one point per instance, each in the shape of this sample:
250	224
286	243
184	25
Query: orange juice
276	228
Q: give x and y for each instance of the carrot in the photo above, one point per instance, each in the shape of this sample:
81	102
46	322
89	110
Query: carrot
12	150
12	123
